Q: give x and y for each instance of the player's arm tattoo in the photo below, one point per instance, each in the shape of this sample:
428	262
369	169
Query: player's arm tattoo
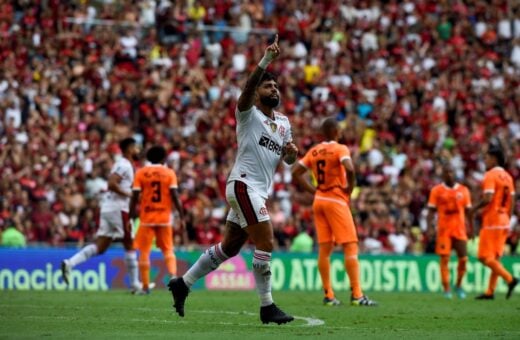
247	98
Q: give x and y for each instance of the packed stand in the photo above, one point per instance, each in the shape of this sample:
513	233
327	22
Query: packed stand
413	83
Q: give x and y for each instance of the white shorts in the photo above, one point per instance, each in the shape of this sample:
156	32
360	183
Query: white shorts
247	207
112	224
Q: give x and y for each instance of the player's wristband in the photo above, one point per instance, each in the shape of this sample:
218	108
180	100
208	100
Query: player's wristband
266	60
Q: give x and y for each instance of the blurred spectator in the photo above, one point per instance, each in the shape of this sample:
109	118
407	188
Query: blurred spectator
412	82
302	243
11	236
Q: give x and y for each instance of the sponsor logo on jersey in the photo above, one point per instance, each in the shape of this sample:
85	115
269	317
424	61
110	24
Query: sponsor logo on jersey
149	209
270	144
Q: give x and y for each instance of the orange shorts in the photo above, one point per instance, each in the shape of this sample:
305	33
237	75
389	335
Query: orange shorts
334	222
445	238
491	242
145	235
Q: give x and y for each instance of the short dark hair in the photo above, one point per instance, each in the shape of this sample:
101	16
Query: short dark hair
126	143
156	154
329	126
498	153
268	76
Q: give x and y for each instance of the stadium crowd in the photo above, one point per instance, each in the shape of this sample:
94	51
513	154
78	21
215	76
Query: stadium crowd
414	83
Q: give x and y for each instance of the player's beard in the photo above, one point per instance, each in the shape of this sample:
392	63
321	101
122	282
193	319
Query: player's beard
270	101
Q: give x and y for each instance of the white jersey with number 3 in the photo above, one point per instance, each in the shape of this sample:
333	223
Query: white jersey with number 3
112	201
260	144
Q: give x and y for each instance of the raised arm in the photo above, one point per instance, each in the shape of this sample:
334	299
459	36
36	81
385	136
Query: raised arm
247	98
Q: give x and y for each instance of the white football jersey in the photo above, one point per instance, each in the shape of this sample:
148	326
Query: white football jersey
112	201
260	144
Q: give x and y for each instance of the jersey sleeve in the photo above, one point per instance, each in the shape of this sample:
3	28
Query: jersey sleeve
488	184
432	200
119	169
137	185
306	161
244	116
344	153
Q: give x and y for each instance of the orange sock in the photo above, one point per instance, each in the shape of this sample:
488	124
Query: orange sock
493	279
445	272
461	270
144	268
325	249
350	250
171	263
498	269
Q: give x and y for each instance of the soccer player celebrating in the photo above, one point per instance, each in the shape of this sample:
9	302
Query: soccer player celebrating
497	203
113	222
264	138
155	186
332	166
451	201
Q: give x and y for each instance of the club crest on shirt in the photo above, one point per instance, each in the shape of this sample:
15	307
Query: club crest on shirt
281	131
273	126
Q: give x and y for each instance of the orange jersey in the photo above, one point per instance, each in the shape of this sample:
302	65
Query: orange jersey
154	182
499	183
450	204
324	160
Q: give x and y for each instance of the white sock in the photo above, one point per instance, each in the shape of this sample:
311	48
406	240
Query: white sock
207	262
131	268
262	273
82	255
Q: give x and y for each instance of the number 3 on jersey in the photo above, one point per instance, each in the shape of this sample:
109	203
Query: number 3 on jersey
156	185
320	165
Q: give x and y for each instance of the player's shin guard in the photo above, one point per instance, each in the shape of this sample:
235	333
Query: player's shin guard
83	255
131	268
350	251
207	262
445	272
262	273
324	269
461	270
144	268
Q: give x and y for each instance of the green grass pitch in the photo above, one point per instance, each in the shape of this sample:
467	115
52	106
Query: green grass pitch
234	315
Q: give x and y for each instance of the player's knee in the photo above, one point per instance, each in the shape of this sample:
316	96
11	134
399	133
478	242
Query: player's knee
265	243
484	260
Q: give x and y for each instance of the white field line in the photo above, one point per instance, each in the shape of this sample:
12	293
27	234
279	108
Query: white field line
309	322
